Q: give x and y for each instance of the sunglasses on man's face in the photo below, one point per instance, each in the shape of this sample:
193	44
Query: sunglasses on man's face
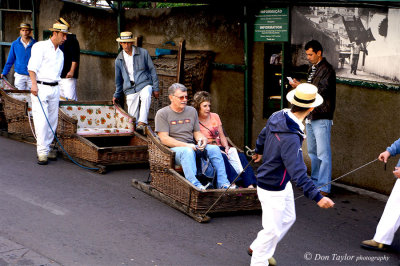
181	97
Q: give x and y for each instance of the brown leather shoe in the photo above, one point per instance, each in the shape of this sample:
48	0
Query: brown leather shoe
141	128
373	245
42	159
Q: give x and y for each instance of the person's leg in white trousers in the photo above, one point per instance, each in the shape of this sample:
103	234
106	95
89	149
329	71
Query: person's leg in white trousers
390	220
278	215
68	89
140	112
49	97
22	82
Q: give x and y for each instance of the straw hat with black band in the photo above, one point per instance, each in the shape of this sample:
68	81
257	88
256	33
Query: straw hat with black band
58	27
305	95
125	36
25	26
63	21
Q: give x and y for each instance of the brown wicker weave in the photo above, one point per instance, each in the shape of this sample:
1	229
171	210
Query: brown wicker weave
112	149
4	85
169	182
16	113
195	76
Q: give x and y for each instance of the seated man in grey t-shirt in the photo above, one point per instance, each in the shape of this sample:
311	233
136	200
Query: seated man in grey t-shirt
177	125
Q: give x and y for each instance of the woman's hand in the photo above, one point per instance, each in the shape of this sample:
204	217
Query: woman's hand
227	150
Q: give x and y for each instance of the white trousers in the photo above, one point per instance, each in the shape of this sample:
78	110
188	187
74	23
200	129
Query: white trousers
49	96
22	82
278	215
390	220
68	89
234	160
132	101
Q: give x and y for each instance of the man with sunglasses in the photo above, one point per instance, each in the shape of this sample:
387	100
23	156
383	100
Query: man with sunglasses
136	77
178	127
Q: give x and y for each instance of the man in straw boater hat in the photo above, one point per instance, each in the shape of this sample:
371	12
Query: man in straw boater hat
44	69
70	71
19	55
136	77
279	145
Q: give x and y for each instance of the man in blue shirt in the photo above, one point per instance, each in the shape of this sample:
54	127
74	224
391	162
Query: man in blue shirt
19	55
136	78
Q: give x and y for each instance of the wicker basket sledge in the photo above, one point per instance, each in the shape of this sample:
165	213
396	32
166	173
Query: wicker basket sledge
101	144
178	192
16	107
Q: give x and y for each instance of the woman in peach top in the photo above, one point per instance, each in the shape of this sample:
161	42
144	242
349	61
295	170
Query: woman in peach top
211	128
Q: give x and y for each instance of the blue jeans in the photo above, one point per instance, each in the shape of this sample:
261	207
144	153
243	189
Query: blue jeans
319	150
186	157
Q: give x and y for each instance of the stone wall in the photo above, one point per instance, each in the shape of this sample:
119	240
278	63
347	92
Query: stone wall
364	123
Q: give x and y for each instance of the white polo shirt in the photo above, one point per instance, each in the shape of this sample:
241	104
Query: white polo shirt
46	61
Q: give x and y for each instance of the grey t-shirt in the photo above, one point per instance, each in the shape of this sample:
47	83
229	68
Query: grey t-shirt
179	126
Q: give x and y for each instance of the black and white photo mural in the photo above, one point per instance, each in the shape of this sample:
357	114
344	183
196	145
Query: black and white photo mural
360	43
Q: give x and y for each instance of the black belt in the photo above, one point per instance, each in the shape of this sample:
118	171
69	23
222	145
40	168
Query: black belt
47	83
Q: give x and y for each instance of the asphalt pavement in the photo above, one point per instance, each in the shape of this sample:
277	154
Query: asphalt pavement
61	214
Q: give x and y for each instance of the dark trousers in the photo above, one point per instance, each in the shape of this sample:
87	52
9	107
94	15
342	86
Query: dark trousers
247	178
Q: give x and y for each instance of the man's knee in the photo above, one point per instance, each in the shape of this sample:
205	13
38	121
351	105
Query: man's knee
213	149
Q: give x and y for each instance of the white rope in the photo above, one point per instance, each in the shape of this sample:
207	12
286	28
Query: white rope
30	124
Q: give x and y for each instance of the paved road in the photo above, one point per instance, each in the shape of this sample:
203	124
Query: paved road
60	214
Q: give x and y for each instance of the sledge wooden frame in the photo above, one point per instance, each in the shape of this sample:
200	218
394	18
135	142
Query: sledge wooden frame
82	148
172	188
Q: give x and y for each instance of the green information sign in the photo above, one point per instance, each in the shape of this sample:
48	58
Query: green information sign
272	25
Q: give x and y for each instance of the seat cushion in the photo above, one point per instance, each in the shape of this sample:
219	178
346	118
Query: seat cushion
102	131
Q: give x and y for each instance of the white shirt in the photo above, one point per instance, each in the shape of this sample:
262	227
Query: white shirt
295	119
25	44
46	61
129	64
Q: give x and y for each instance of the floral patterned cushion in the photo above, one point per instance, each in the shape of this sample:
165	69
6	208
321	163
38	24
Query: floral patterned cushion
99	119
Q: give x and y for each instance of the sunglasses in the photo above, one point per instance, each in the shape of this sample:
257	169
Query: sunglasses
181	97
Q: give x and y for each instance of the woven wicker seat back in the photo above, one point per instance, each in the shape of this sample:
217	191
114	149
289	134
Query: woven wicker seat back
196	69
16	107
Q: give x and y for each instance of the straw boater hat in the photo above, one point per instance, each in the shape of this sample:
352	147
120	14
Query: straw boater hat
25	26
63	21
125	36
305	95
60	28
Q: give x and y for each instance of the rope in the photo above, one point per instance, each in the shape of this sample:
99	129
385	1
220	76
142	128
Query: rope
352	171
59	143
204	215
30	124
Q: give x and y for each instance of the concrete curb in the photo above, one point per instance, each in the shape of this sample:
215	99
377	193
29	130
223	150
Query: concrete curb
363	192
12	253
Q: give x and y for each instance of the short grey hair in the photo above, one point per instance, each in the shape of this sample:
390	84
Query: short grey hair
176	86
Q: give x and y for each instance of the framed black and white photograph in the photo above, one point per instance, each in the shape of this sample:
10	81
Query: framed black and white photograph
360	43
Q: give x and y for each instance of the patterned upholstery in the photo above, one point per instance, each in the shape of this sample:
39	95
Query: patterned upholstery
99	119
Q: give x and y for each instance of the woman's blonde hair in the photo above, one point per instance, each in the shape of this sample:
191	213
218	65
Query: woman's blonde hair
199	98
